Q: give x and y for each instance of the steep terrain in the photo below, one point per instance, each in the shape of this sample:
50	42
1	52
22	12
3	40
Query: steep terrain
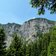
29	29
32	27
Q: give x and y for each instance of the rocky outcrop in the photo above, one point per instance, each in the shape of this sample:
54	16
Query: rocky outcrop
33	27
29	29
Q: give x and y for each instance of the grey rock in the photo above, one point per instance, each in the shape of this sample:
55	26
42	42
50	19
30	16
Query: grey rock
29	29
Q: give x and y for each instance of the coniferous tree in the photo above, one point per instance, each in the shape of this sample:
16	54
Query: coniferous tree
52	44
29	50
24	49
15	47
2	43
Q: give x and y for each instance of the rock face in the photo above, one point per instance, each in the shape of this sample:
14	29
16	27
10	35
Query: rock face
29	29
36	26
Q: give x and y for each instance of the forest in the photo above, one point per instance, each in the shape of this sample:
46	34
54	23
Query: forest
44	46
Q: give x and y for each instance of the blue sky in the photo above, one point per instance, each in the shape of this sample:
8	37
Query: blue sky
19	11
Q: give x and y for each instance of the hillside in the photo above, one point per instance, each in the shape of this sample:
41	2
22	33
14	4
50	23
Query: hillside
29	29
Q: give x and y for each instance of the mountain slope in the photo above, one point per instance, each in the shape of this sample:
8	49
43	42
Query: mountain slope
38	25
29	29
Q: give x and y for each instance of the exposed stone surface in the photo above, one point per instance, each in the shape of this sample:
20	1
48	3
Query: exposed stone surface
29	29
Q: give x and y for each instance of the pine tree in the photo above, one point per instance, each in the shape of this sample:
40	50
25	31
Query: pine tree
24	47
2	42
15	47
52	44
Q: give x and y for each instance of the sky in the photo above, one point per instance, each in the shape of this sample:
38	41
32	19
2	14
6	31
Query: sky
19	11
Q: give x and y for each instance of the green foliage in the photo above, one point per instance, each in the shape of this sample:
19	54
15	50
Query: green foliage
52	49
52	45
15	47
2	43
45	45
42	4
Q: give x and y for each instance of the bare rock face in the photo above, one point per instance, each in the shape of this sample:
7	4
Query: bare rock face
32	28
29	29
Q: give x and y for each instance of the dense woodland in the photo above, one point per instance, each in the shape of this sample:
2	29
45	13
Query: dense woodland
44	46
